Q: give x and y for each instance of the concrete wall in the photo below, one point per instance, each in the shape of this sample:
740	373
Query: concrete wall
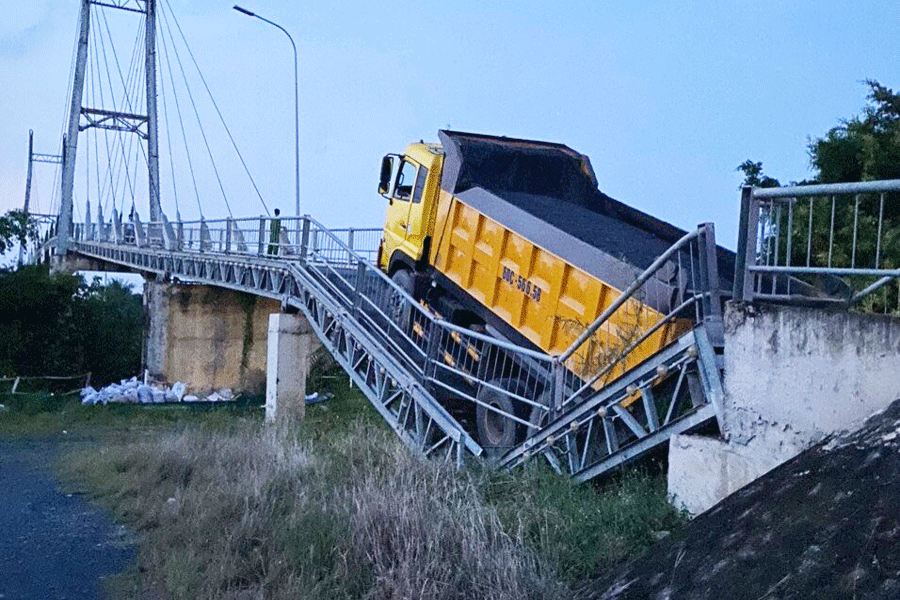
794	374
207	337
792	377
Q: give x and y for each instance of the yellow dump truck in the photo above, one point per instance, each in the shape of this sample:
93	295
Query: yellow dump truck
513	238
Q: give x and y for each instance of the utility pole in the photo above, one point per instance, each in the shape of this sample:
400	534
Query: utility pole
33	158
27	188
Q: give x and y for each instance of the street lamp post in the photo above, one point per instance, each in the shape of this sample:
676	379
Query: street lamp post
296	102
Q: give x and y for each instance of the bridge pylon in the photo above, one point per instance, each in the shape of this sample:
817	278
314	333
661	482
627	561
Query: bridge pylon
83	117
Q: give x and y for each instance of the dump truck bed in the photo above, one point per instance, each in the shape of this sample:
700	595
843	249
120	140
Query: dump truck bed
523	229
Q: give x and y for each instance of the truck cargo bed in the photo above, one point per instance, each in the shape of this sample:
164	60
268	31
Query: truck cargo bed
556	186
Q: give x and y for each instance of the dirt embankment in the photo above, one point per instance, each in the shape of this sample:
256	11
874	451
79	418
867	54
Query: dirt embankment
824	525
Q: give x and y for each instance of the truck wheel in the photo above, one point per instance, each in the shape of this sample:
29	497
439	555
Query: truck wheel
496	432
538	417
400	312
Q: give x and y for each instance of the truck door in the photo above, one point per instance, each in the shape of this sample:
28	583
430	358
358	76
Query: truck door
396	221
417	224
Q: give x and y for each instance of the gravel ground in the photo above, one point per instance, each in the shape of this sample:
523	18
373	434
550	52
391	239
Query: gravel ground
53	545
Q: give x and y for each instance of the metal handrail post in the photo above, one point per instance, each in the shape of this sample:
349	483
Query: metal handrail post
304	239
746	246
709	278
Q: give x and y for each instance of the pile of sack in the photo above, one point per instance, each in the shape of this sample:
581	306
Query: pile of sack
134	391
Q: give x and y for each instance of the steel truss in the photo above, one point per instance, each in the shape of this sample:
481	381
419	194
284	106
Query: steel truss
402	355
138	6
114	121
674	391
423	424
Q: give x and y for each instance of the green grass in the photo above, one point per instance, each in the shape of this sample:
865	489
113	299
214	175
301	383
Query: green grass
228	507
42	414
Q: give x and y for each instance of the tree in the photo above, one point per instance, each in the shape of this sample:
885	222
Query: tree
753	175
16	226
57	324
864	148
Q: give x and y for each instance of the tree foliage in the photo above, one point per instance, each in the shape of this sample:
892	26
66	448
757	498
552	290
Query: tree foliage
860	231
864	148
16	227
56	324
753	175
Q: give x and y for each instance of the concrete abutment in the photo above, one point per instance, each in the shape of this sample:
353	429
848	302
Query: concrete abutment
212	338
792	377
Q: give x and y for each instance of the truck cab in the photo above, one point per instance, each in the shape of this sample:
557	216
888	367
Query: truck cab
411	184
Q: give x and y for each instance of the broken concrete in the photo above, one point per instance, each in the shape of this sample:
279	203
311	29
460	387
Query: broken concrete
703	470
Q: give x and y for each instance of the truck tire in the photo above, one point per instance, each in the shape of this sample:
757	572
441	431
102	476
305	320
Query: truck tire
496	433
537	417
400	312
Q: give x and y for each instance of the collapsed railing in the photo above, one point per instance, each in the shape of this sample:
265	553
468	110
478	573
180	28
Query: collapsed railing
820	244
587	410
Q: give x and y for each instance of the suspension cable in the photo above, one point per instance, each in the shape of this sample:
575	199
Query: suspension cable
197	115
181	124
119	137
216	106
162	92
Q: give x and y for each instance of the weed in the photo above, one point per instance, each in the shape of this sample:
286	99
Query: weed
258	512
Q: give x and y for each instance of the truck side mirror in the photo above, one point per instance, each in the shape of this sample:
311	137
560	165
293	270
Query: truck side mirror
387	168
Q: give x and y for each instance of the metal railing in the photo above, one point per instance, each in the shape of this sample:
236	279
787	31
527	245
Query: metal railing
275	237
401	352
535	391
626	402
820	244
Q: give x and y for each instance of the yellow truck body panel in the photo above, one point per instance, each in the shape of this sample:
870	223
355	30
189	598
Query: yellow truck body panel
544	297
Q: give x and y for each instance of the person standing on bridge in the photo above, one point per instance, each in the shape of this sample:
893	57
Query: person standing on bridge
274	233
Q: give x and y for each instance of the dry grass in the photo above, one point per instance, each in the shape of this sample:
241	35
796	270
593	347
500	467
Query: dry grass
255	513
226	507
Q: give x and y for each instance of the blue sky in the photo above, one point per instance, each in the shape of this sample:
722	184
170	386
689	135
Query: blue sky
666	98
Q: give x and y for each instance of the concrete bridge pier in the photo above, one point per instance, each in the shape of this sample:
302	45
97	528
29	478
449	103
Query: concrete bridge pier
289	345
211	338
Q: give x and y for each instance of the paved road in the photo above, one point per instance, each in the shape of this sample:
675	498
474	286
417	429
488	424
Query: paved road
53	546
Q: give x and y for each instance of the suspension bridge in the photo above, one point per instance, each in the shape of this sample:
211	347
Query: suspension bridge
422	373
